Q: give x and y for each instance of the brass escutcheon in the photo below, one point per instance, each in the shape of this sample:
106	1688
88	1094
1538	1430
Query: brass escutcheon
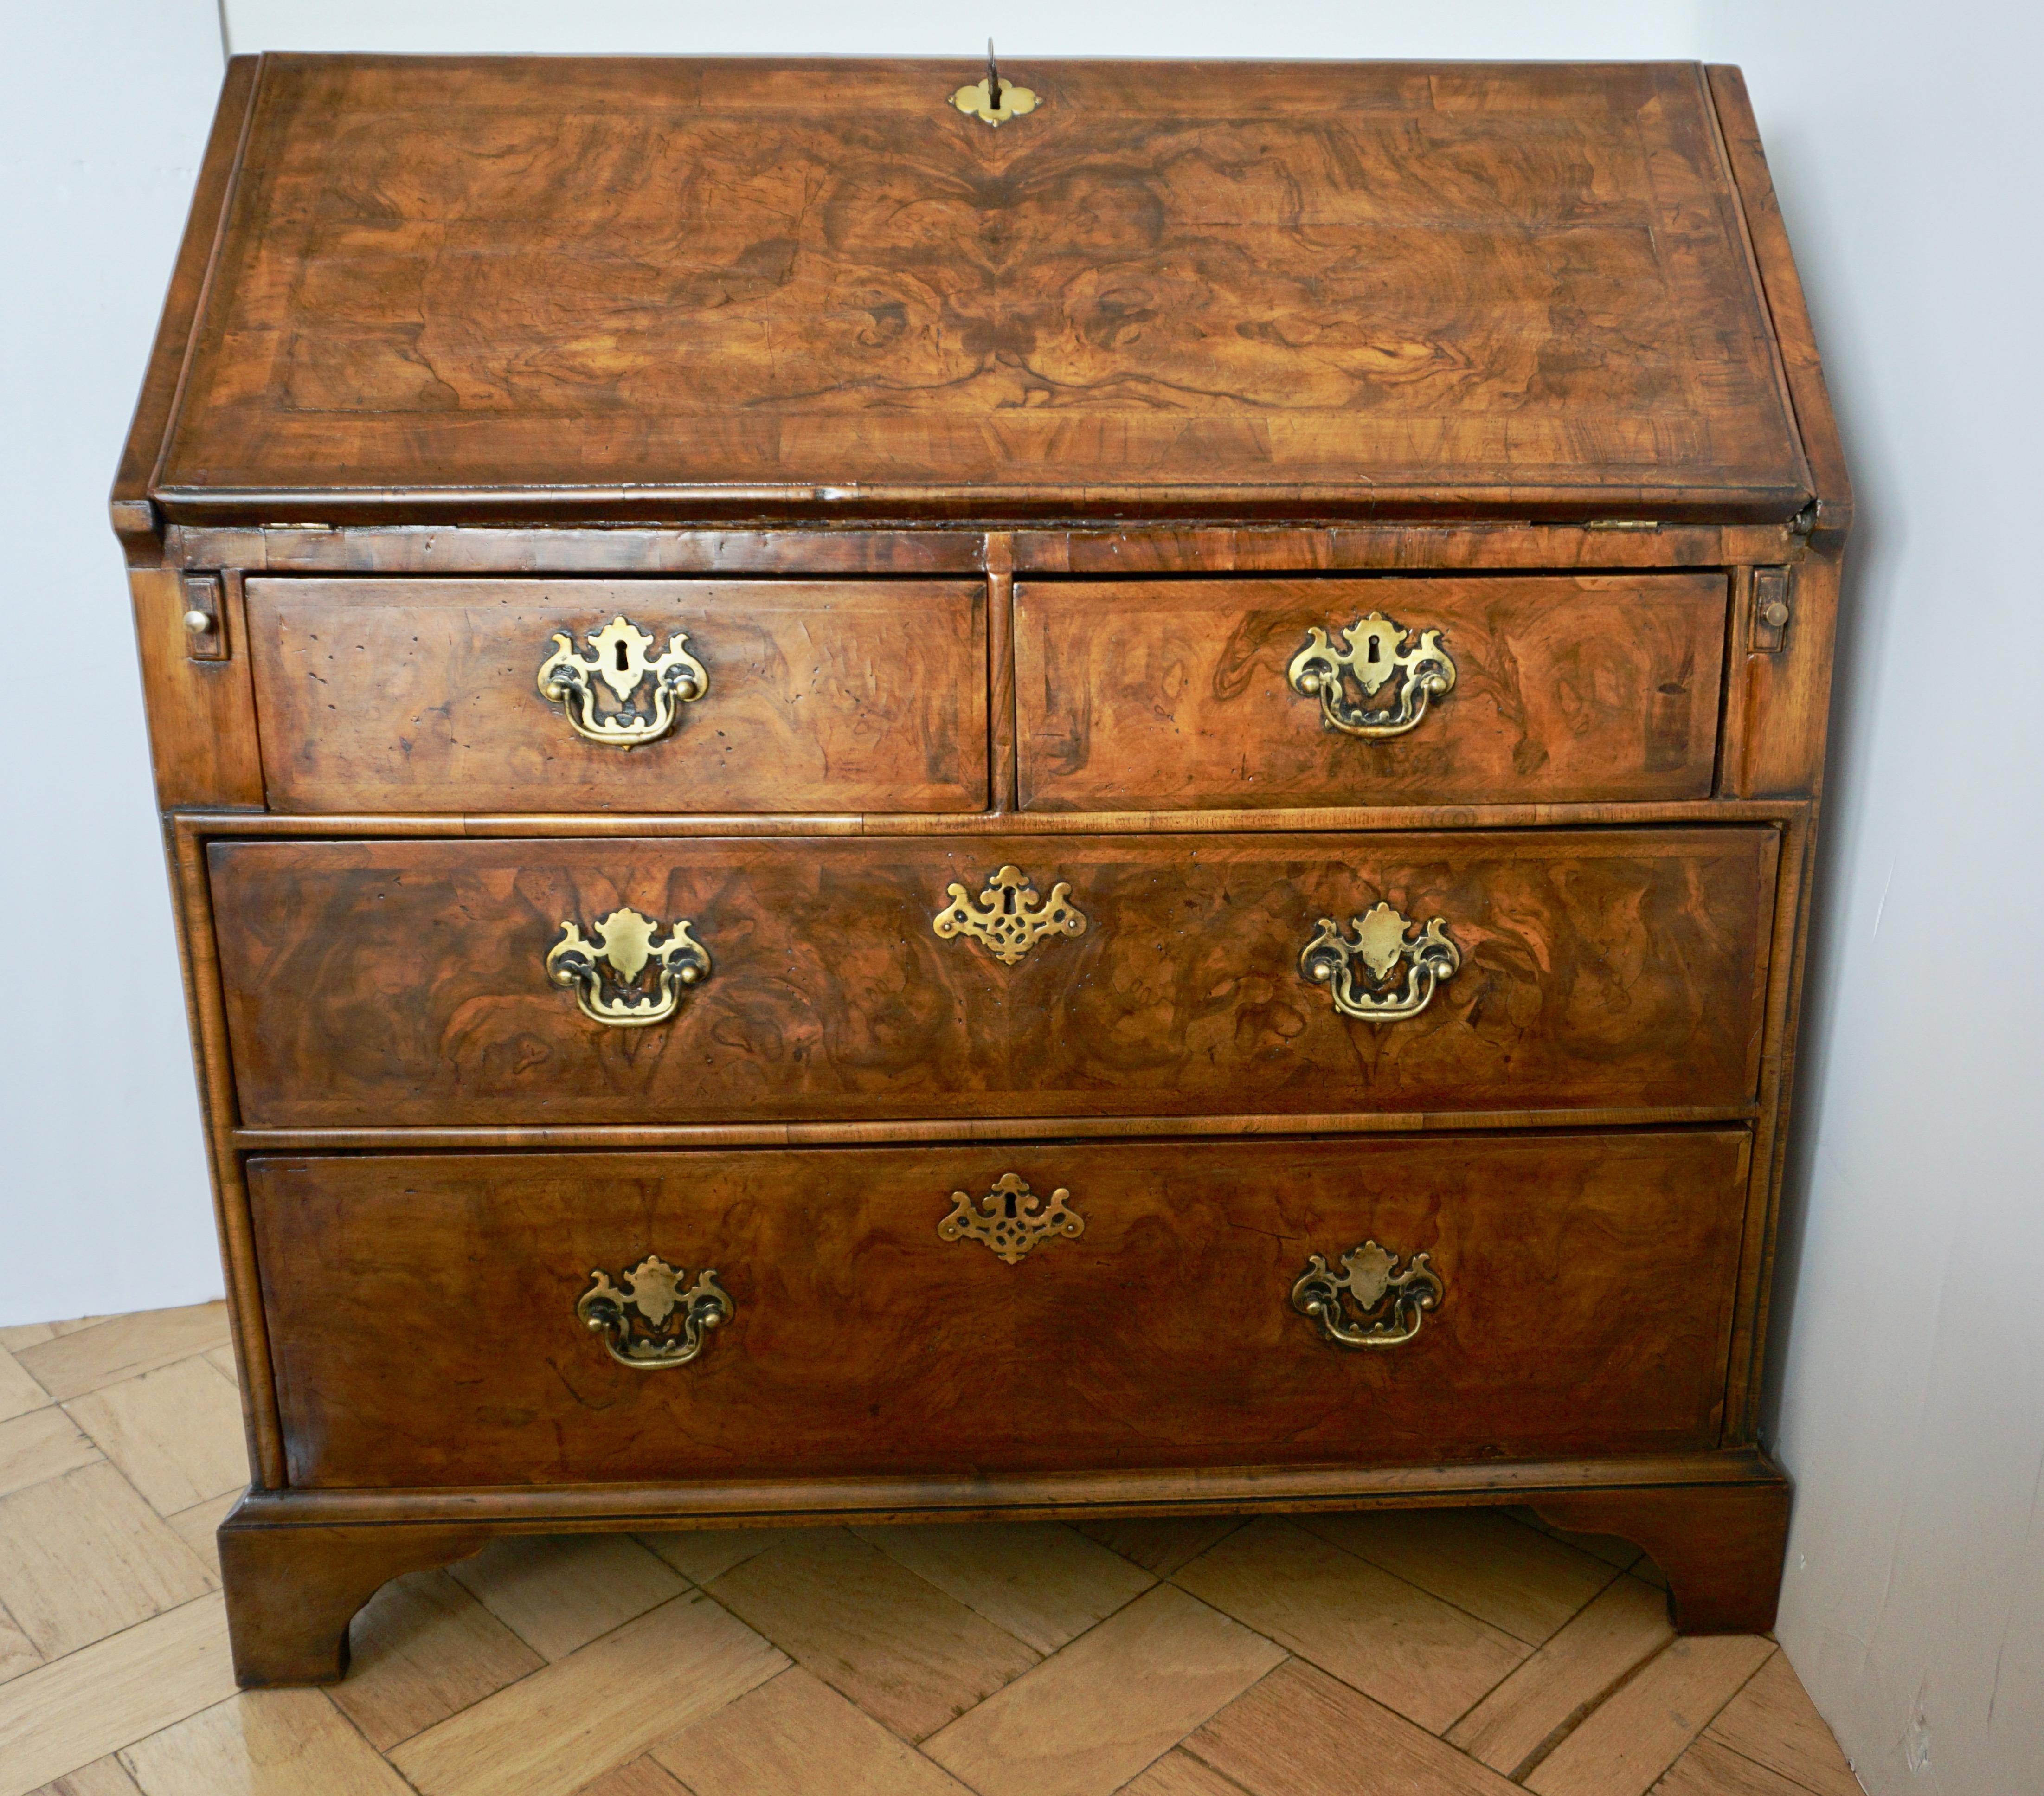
622	663
648	1320
1373	651
1007	919
1382	945
995	102
1369	1281
1011	1219
623	942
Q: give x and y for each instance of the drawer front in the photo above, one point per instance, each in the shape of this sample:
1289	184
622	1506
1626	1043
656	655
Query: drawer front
424	695
1192	695
423	1312
851	979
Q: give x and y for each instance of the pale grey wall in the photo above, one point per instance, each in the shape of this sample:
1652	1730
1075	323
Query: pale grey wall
102	1182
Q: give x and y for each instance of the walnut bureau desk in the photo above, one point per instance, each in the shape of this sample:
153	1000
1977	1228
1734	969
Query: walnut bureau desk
900	791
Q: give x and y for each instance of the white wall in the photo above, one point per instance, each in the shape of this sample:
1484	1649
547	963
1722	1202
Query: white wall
1911	1377
103	1203
1019	28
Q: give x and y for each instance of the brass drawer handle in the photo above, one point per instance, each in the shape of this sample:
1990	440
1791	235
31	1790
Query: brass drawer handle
1008	919
1382	945
622	662
1370	1280
1374	649
1011	1219
623	943
648	1320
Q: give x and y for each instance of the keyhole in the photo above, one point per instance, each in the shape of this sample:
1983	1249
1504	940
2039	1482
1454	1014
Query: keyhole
1376	652
1010	1205
623	668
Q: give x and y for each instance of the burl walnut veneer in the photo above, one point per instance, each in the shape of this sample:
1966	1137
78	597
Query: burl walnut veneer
891	803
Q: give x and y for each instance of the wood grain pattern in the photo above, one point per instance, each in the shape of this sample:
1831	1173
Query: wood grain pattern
202	714
1301	1733
1089	1719
1409	1651
864	1343
1138	695
422	696
1788	312
554	546
135	518
403	982
1189	348
632	285
1512	1728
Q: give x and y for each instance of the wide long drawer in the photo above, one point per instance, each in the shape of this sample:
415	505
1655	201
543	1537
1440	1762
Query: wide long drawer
472	1319
508	982
1404	690
641	695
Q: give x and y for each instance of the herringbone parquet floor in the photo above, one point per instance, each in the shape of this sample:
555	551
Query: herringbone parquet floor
1421	1654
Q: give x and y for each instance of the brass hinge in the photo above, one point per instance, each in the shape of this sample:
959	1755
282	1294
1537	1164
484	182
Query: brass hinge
205	628
1622	524
1772	609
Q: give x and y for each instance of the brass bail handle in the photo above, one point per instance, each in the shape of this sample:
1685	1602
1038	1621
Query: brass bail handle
620	661
1370	1303
651	1317
606	968
1385	974
1374	651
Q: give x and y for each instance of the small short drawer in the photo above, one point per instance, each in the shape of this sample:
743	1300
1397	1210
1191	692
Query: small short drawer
627	695
831	980
493	1320
1492	689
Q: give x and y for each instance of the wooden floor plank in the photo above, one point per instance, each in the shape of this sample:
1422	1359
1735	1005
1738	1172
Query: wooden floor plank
1515	1726
1527	1583
263	1743
1040	1581
1087	1720
1774	1722
123	1346
103	1777
563	1726
17	1651
1162	1543
797	1736
80	1708
701	1554
198	1527
1428	1660
19	1392
1301	1732
82	1556
423	1648
559	1592
175	1432
1632	1739
43	1444
1179	1774
909	1655
1707	1769
642	1777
